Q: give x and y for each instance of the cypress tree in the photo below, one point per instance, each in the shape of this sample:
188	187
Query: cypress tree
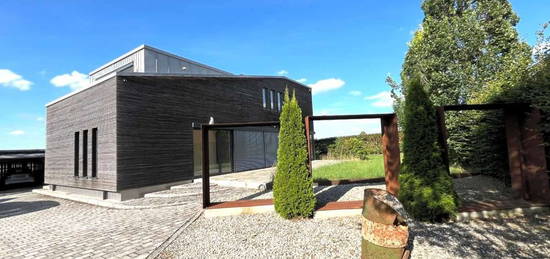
426	188
292	186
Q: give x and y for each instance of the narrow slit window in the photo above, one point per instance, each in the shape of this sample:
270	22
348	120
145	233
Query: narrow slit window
279	101
264	97
94	152
85	153
76	152
271	95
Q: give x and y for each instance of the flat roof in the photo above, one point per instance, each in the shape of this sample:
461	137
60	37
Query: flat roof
21	154
137	74
143	46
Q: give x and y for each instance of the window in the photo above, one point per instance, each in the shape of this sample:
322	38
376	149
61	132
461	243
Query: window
279	104
264	97
271	95
76	152
94	152
85	153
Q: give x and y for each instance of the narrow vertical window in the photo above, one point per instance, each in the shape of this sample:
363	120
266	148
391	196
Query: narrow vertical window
271	95
264	97
94	152
76	152
279	101
85	153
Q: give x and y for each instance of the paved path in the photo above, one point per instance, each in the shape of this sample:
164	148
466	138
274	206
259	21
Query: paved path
37	226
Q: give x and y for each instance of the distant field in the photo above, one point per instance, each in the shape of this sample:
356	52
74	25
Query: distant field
357	169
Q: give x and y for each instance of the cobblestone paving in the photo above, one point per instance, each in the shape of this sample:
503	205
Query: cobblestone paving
36	226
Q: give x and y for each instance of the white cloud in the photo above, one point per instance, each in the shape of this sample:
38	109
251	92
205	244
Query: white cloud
302	80
17	132
355	93
326	85
74	80
282	72
382	99
40	118
337	128
11	79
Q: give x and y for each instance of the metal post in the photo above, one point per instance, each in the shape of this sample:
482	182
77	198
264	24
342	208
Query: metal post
392	156
534	163
443	135
513	142
205	168
307	121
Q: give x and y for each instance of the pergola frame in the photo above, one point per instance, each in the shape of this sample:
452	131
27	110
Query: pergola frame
206	156
390	143
526	152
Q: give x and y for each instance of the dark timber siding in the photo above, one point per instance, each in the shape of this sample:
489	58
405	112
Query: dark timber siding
92	108
155	114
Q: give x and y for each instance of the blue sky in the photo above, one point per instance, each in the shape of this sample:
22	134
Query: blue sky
344	47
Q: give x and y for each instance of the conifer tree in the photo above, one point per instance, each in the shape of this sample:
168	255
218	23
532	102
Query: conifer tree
292	185
427	191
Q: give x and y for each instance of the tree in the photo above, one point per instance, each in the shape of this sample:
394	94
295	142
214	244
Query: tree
465	49
427	191
292	186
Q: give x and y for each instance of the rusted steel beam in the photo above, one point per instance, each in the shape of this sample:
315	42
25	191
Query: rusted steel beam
241	124
307	122
534	158
205	168
392	156
442	137
352	116
481	107
513	142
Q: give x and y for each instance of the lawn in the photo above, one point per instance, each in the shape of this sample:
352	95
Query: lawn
373	167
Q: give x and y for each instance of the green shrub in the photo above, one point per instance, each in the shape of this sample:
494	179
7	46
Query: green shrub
292	185
426	188
349	147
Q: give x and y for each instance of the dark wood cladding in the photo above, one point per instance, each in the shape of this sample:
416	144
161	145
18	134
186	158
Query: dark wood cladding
156	113
94	107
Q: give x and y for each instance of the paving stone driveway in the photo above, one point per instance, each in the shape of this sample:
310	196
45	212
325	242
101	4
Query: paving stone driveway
37	226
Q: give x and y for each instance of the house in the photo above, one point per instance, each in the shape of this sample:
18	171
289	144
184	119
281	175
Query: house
134	129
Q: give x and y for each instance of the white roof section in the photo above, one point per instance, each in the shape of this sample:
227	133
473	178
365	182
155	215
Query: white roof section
142	47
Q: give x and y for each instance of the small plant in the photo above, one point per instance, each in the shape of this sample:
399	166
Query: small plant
292	186
427	191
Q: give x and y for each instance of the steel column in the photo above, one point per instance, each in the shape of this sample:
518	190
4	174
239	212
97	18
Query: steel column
392	157
443	135
513	141
534	163
205	168
307	121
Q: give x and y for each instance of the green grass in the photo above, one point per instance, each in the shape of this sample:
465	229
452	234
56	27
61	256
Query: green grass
373	167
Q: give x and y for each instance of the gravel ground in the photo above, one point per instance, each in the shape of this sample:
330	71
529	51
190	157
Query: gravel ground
269	236
481	187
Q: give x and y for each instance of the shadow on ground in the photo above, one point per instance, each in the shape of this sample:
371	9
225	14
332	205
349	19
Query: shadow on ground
525	237
15	208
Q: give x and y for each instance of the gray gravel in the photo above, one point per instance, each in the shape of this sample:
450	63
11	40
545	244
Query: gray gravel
270	236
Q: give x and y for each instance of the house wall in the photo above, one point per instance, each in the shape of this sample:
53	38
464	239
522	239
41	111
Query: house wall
94	107
155	116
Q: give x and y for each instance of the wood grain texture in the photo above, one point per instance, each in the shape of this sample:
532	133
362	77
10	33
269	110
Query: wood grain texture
155	115
92	108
